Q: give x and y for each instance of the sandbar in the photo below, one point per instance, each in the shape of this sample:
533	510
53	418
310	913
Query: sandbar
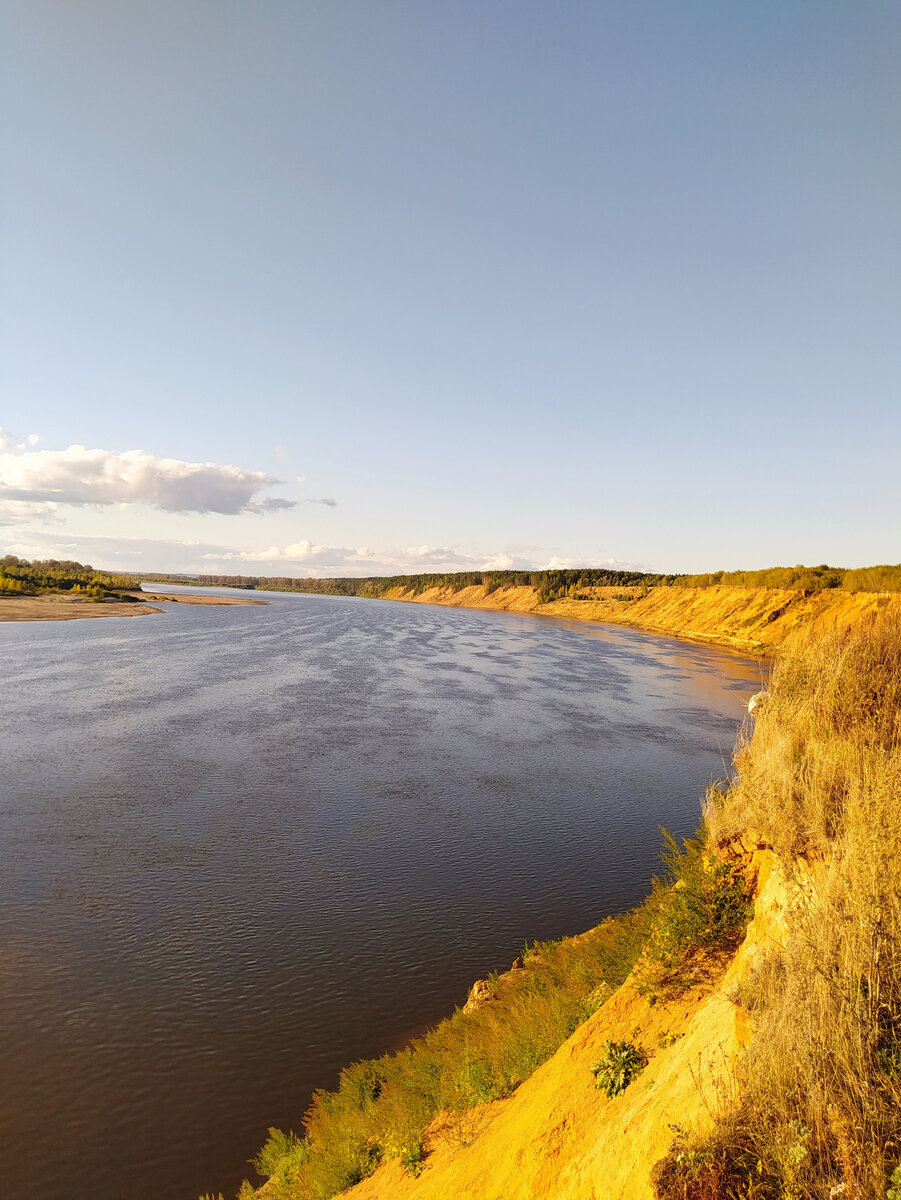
190	598
61	607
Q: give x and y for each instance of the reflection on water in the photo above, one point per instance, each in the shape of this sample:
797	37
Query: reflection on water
243	846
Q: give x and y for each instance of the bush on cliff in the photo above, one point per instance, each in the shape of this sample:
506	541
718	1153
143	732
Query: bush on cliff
620	1063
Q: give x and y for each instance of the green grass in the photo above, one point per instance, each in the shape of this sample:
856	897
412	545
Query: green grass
700	904
381	1107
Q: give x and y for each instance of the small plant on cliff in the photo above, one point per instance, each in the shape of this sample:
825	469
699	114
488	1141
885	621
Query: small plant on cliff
617	1067
412	1157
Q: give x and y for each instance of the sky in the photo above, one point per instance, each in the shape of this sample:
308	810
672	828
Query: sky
361	287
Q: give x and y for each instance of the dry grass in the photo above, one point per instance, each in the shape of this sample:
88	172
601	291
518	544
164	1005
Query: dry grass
818	1105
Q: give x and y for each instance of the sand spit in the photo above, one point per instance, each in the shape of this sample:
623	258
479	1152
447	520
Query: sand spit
67	608
188	598
61	607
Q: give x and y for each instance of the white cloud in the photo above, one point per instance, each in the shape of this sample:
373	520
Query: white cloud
78	476
317	559
20	512
120	553
556	563
360	560
301	558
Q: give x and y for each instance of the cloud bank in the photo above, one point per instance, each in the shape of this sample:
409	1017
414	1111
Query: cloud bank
303	559
37	482
321	560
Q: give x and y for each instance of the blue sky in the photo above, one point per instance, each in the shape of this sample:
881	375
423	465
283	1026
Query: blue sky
378	286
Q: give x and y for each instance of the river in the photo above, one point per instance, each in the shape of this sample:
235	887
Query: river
244	846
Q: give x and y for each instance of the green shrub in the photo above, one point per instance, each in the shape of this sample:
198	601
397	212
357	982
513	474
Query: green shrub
617	1067
701	903
412	1157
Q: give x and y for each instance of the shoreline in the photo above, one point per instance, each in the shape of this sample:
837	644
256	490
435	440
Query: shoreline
750	621
59	607
548	612
190	598
753	622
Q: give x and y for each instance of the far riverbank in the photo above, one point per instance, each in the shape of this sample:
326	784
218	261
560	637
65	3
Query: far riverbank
752	620
62	607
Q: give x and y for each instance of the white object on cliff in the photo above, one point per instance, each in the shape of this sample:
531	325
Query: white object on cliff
756	700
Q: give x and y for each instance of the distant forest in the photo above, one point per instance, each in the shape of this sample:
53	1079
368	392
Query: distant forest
576	583
18	577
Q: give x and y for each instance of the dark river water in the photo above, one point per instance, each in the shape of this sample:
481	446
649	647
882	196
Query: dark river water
244	846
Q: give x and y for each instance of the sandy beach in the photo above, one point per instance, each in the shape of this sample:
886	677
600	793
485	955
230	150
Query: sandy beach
60	607
190	598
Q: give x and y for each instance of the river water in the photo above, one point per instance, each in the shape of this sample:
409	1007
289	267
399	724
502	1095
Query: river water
244	846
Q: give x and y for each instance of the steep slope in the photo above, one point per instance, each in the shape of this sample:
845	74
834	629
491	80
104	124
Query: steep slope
753	620
558	1137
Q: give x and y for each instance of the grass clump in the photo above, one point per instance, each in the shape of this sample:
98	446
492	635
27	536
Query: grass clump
280	1157
698	908
817	1107
617	1067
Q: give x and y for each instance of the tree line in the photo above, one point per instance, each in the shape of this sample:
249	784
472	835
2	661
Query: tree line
550	585
19	577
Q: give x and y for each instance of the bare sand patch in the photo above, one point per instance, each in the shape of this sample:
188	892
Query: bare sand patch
190	598
62	607
67	608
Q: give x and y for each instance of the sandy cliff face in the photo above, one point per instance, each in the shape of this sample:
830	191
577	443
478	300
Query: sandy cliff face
753	620
557	1137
